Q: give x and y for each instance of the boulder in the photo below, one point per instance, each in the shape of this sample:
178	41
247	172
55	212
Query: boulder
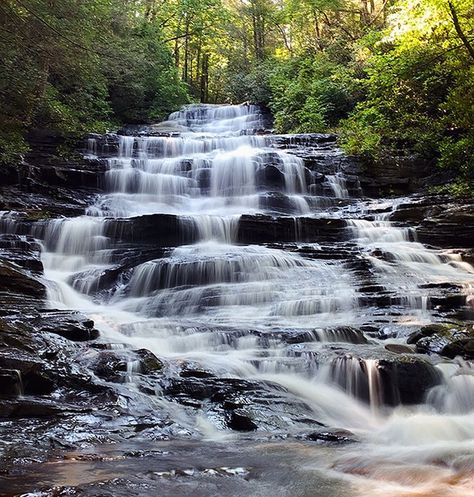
270	177
446	339
109	365
386	378
149	363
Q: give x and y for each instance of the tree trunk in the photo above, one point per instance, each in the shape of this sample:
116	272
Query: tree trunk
186	52
459	30
204	89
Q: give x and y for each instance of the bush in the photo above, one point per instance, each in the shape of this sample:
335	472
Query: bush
312	93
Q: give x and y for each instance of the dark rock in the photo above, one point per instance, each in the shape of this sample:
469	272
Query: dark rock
34	374
270	177
21	251
190	371
393	175
331	437
344	334
268	229
149	363
35	408
73	326
447	302
109	365
239	420
10	382
463	347
449	340
13	279
398	348
451	225
304	139
162	230
398	378
407	380
278	202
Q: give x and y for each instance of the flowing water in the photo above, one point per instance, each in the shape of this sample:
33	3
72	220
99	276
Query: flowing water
234	309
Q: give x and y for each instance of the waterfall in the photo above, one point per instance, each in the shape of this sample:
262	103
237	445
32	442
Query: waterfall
289	314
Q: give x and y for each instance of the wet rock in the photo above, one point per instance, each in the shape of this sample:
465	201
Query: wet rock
304	139
102	281
149	363
10	382
451	225
161	230
344	334
21	251
268	229
330	437
449	340
15	334
74	174
33	372
240	420
390	380
105	145
447	302
270	177
109	365
398	348
394	175
407	380
278	202
35	408
194	371
13	279
45	202
70	325
46	184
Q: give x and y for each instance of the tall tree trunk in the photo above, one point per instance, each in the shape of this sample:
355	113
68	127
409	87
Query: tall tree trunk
204	87
459	30
198	66
176	46
186	52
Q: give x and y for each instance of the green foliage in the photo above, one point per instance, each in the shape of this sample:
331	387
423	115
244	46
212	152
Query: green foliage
420	96
311	94
75	67
362	132
252	86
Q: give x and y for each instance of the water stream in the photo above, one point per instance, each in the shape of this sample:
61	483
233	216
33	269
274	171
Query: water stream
231	307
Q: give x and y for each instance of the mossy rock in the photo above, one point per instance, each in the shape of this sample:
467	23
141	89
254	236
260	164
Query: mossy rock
446	339
38	215
441	329
149	363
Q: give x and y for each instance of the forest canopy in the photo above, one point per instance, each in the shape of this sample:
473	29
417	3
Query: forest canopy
393	77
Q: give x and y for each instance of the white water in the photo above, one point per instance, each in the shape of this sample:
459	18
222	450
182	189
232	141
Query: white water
206	302
403	264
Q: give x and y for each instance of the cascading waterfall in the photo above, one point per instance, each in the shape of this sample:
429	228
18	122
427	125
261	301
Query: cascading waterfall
218	303
404	265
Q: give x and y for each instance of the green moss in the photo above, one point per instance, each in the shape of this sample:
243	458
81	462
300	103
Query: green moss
38	215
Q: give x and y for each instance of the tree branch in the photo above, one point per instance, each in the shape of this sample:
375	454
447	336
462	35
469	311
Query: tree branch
459	31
